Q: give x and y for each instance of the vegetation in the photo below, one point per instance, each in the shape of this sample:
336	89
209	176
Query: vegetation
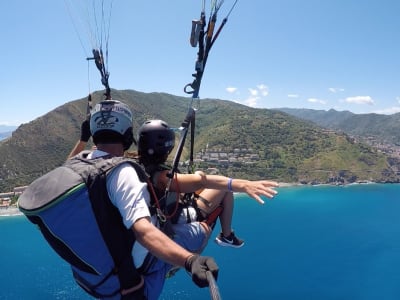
289	149
384	128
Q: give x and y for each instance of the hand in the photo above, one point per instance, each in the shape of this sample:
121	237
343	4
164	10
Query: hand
198	266
85	131
255	189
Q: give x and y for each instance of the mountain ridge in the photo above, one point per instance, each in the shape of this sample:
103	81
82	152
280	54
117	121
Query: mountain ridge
383	127
287	149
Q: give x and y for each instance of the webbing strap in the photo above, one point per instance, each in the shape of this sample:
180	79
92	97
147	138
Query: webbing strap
213	216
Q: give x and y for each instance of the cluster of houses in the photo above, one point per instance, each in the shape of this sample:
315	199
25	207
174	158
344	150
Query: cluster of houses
225	158
6	199
390	149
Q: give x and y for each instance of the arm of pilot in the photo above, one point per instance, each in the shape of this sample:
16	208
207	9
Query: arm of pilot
167	250
159	244
187	183
85	136
79	147
131	196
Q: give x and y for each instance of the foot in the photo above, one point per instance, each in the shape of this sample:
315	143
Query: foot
229	241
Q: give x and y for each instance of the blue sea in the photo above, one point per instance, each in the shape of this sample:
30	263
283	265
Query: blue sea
321	242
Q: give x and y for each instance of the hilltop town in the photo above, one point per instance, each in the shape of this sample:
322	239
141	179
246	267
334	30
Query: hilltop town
223	158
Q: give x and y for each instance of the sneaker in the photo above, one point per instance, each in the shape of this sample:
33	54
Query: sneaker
230	241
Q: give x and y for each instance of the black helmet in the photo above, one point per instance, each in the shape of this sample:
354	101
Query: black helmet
155	140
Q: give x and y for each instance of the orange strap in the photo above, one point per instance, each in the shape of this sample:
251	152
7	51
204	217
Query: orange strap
212	217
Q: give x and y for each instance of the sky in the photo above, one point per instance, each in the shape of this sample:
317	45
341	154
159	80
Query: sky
316	54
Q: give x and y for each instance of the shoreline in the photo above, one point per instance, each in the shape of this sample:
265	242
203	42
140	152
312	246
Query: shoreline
10	211
14	211
298	184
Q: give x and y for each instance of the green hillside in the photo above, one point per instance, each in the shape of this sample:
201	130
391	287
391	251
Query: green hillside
259	143
384	128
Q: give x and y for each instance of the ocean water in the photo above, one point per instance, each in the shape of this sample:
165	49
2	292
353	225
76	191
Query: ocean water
309	243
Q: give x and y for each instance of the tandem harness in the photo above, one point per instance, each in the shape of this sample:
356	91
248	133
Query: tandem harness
71	207
209	218
176	206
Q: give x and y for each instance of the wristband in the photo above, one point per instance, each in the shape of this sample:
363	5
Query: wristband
230	185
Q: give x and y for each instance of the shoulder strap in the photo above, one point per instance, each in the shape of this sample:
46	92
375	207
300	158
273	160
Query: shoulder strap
118	238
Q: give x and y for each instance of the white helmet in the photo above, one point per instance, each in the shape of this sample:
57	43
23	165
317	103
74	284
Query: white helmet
110	120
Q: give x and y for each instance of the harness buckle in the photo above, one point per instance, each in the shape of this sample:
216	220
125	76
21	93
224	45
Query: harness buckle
160	215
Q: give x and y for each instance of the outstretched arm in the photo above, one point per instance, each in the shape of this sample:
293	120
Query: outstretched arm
187	183
254	189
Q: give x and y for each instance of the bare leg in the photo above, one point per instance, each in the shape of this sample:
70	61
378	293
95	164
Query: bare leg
225	217
215	198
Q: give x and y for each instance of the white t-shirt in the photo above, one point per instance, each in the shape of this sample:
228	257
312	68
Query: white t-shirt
126	191
131	197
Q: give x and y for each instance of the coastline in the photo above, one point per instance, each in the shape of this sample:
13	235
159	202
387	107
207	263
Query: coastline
10	211
298	184
14	211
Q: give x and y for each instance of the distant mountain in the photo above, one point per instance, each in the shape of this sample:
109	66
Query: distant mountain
6	131
4	135
259	143
326	119
382	127
7	128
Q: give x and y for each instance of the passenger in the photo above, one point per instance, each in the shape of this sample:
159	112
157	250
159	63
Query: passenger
213	194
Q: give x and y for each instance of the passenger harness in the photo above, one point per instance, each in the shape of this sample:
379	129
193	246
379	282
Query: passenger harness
172	206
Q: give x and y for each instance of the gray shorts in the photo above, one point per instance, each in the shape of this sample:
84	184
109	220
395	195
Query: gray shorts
191	236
